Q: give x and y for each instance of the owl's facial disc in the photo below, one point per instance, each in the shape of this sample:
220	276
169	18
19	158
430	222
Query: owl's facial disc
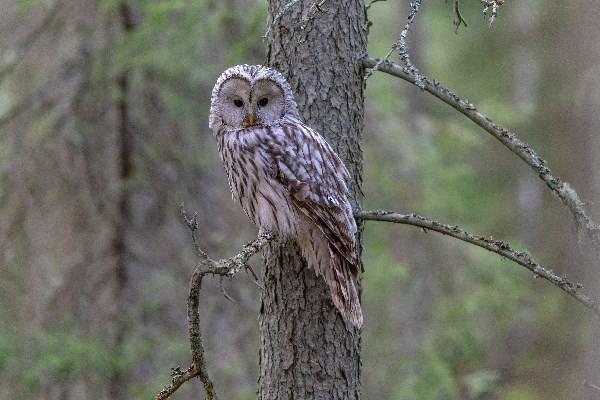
243	104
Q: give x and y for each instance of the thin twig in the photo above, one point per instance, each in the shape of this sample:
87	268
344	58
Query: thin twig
224	268
223	291
563	190
458	18
278	16
371	3
401	46
502	248
192	224
254	276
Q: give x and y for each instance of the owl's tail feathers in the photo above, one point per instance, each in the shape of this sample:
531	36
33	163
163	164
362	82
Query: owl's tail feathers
343	289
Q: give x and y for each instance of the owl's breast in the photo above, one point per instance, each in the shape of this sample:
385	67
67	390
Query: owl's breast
250	172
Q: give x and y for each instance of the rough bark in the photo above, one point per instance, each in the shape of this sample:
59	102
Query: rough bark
307	351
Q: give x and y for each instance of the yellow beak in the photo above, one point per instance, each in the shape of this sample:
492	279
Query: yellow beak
251	119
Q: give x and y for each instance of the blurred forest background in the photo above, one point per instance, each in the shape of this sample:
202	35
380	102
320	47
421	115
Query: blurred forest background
103	134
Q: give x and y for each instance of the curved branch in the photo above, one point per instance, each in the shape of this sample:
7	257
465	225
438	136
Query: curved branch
563	190
502	248
207	266
179	378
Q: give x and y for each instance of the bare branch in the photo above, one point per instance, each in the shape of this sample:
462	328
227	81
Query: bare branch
563	190
502	248
179	378
224	268
192	224
458	18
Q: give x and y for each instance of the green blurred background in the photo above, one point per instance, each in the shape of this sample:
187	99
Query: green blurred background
95	261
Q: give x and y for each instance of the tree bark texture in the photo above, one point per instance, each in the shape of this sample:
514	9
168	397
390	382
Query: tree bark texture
307	350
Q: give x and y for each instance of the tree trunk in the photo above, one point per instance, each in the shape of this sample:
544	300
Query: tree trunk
307	351
118	381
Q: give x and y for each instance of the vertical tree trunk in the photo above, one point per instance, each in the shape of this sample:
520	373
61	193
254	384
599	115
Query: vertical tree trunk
118	384
307	351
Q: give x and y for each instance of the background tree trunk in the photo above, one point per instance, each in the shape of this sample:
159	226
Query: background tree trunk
307	351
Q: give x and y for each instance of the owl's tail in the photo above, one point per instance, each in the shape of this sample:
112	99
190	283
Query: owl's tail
342	285
337	271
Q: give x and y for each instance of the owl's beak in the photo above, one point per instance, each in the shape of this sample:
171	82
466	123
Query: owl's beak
251	120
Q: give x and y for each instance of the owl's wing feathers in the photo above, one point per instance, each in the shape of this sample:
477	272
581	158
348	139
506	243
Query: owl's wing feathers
316	178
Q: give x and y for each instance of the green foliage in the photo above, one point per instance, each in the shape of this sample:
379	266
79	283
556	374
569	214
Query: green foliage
8	350
520	392
56	356
428	377
26	5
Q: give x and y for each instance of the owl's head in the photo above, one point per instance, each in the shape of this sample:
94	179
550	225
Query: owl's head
250	95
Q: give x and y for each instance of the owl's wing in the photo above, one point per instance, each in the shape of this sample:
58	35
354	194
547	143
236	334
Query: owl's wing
316	178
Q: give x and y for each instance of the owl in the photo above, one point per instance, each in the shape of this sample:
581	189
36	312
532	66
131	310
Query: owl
286	177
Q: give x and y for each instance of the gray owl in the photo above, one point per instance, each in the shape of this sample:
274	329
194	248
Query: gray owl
286	177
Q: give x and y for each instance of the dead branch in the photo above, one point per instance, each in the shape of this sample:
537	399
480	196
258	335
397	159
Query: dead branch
458	18
502	248
563	190
207	266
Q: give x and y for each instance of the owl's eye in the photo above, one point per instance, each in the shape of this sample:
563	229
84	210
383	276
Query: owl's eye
263	102
238	103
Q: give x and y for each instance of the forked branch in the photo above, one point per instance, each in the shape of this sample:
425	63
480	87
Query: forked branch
501	248
207	266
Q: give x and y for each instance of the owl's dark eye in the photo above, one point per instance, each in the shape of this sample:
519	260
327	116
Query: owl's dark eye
238	103
263	102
